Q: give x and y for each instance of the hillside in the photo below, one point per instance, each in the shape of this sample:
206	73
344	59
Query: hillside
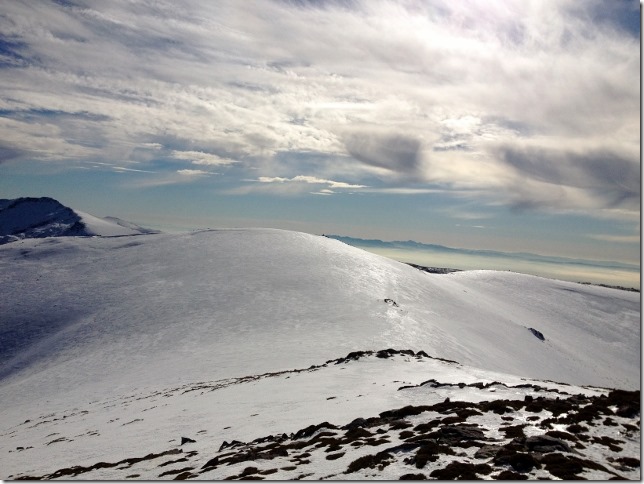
224	334
45	217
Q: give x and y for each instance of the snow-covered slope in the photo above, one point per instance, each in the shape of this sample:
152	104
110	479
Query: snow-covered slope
45	217
95	331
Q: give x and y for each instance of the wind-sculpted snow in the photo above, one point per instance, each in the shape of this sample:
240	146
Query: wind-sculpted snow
115	348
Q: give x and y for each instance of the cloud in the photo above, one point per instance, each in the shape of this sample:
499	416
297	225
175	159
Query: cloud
620	239
306	179
397	153
610	178
531	104
189	172
201	158
178	177
113	167
10	153
134	170
404	190
325	192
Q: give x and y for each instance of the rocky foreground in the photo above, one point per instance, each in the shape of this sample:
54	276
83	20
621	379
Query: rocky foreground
485	430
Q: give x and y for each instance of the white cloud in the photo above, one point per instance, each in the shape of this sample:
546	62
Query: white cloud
310	180
190	172
404	191
201	158
324	192
435	93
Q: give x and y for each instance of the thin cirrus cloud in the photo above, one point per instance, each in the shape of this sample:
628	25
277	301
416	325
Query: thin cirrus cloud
201	158
620	239
300	184
192	172
527	104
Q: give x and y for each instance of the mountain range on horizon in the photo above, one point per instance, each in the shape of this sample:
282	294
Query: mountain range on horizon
29	217
413	245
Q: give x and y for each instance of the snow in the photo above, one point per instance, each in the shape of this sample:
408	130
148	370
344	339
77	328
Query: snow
107	227
101	337
45	217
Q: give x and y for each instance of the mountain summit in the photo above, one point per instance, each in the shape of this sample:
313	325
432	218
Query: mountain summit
26	218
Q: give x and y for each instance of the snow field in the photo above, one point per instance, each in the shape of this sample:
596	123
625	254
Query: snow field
116	347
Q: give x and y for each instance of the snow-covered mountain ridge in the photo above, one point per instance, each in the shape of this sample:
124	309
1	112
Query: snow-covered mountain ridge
97	333
45	217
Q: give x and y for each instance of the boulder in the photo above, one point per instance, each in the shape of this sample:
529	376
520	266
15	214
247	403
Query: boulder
546	444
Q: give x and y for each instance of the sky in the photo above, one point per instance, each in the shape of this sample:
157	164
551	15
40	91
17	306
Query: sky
502	125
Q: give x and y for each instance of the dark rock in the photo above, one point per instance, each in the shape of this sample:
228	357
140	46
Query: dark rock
175	471
461	471
183	476
334	456
399	425
629	461
412	477
628	411
405	411
405	447
538	334
358	422
357	433
429	452
562	466
462	432
211	463
392	302
510	476
369	461
609	442
187	440
497	406
487	451
520	462
355	355
249	470
452	420
513	431
167	463
545	444
558	434
523	462
233	443
576	429
383	354
311	429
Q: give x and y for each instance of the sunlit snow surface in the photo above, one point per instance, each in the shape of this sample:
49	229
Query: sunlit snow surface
114	348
